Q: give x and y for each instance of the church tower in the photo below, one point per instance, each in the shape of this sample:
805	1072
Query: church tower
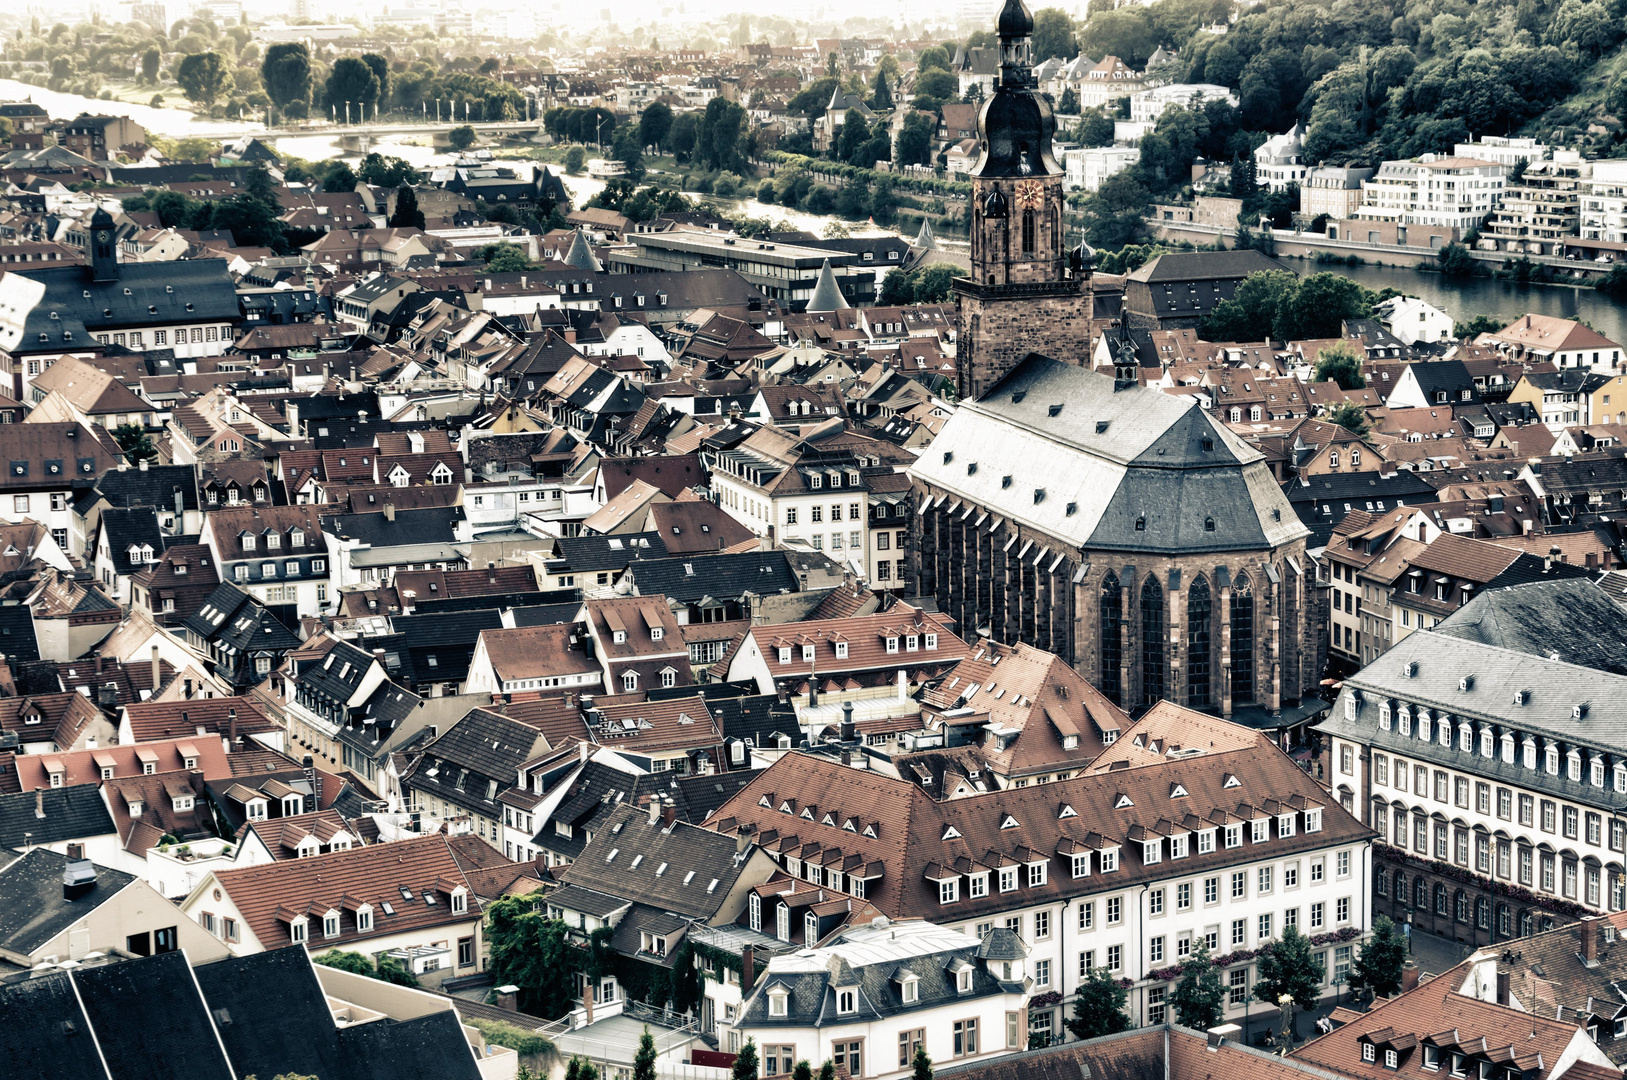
1025	292
104	247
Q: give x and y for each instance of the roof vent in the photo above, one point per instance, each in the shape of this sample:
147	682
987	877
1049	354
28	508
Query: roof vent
1054	410
1521	696
1579	711
1410	669
1466	683
1101	426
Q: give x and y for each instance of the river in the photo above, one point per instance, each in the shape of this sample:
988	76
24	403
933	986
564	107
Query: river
1464	298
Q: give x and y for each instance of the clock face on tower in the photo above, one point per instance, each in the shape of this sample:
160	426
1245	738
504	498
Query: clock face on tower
102	236
1030	194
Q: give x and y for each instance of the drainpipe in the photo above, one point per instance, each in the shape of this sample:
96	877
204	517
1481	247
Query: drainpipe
1141	942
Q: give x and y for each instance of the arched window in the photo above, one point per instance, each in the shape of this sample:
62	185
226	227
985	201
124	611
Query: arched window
1401	886
1030	229
1462	904
1420	893
1112	639
1482	913
1152	642
1440	900
1242	640
1197	644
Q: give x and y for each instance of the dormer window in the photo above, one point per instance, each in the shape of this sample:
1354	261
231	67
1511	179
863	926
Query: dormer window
911	989
364	919
460	901
1392	1060
330	924
619	637
248	542
892	644
1368	1052
273	540
847	1002
776	1002
807	652
296	538
785	654
841	650
296	930
963	980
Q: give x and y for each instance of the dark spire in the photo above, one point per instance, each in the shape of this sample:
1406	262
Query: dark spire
104	247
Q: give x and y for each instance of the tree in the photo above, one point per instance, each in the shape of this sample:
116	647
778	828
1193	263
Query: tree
881	93
339	177
644	1058
1095	127
1098	1008
1053	35
1487	324
627	149
406	215
1350	416
351	82
1068	104
1199	997
934	56
1340	363
654	125
718	139
827	1070
914	143
923	1064
286	73
534	953
461	137
1252	311
1114	214
855	133
575	159
203	77
684	137
1455	260
504	259
150	61
934	284
1378	966
133	440
1289	968
803	1071
252	222
745	1062
685	979
381	72
1320	305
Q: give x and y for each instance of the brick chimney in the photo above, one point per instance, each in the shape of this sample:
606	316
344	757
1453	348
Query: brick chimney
1409	976
508	997
1502	986
1590	941
156	675
748	969
669	814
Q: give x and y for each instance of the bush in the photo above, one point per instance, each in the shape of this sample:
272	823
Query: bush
515	1038
765	191
726	184
461	138
575	159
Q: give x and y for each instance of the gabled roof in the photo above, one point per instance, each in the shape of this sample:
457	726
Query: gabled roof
150	1021
719	576
378	874
686	870
71	813
33	909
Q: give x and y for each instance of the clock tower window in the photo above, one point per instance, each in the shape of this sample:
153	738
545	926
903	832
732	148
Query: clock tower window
1028	232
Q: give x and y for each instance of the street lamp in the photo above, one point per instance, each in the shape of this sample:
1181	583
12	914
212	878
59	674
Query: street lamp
1286	1001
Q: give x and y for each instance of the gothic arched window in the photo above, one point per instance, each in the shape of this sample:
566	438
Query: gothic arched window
1152	642
1112	639
1197	644
1030	231
1242	640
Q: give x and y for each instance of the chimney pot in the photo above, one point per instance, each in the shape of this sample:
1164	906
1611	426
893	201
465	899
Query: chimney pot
669	814
748	969
1503	978
1409	976
1590	941
655	809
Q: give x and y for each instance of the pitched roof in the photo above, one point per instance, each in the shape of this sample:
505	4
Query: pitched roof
720	576
686	870
130	759
70	813
33	908
150	1021
153	720
895	835
536	652
382	875
694	526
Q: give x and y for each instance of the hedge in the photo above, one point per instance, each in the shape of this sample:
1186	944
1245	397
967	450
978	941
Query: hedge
517	1039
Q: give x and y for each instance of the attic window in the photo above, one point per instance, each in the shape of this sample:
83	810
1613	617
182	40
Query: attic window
1141	523
1208	524
1054	410
1039	496
948	456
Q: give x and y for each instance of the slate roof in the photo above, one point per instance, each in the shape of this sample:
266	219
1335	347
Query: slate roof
296	1036
71	813
150	1022
36	1045
1061	450
434	525
695	526
143	294
671	473
152	486
1572	616
38	457
718	576
876	969
475	761
32	907
607	552
17	640
1205	266
685	870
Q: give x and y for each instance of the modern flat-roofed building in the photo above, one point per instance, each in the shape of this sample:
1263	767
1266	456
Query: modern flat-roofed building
787	272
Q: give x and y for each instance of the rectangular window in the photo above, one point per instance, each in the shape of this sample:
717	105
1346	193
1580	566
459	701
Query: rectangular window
1239	931
1265	926
1113	910
1237	986
1115	957
1183	896
1155	950
1087	963
1317	919
908	1043
1264	885
965	1038
1239	885
1087	915
1211	890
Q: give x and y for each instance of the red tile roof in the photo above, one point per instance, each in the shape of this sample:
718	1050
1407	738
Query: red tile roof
153	720
86	766
268	896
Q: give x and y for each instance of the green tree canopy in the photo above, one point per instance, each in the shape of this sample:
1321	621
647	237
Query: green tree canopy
286	73
1098	1007
1289	968
350	81
1198	997
881	93
1350	416
745	1062
1115	212
914	143
922	1064
150	61
134	441
406	214
654	125
204	77
380	68
644	1057
1340	363
1053	35
1378	963
461	137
